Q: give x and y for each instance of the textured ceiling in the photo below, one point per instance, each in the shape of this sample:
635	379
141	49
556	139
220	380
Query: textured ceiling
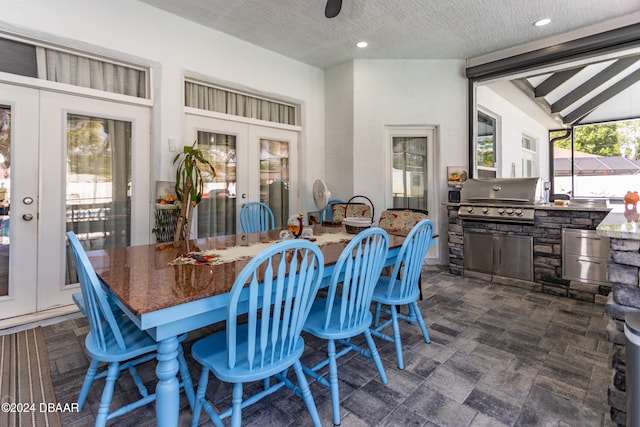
395	29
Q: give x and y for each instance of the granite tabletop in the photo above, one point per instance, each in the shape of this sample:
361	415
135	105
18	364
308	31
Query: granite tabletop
620	223
146	279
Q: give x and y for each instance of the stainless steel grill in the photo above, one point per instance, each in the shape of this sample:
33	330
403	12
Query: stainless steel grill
499	199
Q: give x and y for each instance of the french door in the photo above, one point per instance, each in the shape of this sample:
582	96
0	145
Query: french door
70	163
413	182
252	163
19	110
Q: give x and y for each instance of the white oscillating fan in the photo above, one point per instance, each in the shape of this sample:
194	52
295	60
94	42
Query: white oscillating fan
321	194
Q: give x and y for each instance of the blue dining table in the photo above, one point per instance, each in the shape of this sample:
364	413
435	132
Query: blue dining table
167	300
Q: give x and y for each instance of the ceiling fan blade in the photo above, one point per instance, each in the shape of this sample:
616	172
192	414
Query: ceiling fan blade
333	8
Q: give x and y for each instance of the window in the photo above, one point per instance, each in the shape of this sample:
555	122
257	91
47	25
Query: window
529	157
222	100
528	143
18	58
408	172
597	160
42	62
486	146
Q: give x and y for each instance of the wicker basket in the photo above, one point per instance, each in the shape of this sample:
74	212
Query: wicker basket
355	224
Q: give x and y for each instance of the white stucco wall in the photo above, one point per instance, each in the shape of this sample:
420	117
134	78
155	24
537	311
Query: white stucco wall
410	92
174	47
339	110
513	123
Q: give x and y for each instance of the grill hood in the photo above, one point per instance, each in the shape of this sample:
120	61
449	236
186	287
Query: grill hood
499	191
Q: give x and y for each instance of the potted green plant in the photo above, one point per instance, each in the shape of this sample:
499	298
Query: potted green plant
190	164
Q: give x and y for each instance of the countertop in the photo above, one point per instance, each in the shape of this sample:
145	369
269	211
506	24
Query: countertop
620	224
572	206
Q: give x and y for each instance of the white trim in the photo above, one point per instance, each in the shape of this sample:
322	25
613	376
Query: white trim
64	88
240	119
41	318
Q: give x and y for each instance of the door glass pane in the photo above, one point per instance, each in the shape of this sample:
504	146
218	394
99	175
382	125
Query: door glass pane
5	185
409	172
274	178
98	183
216	212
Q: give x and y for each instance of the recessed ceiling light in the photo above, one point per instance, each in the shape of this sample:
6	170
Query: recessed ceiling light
542	22
362	44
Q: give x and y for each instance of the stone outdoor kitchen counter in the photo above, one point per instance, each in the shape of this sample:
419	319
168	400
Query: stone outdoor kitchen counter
623	273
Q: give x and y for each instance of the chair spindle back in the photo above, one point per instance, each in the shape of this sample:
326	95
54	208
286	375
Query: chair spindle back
357	270
282	282
256	217
102	321
408	266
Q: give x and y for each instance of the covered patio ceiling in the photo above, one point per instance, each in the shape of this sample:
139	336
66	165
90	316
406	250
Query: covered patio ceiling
570	95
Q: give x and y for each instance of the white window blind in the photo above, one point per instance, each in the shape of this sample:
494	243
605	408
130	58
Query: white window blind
222	100
21	57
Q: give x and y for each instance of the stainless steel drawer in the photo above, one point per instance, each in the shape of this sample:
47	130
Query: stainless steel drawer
585	242
585	269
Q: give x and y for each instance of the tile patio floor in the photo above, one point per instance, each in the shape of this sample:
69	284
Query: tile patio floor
498	356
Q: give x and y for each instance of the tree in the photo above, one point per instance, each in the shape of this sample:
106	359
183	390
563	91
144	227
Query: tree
189	186
630	134
604	139
600	139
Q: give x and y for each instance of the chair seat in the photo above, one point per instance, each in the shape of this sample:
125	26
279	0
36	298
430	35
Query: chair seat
137	343
398	221
380	293
315	322
211	352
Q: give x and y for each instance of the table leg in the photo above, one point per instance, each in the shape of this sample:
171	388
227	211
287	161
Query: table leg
168	389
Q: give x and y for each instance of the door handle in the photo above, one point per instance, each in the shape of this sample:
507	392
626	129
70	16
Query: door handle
244	195
27	217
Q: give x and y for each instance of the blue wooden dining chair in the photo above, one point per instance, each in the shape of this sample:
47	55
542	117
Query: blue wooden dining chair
115	340
402	286
256	217
346	311
327	213
275	290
